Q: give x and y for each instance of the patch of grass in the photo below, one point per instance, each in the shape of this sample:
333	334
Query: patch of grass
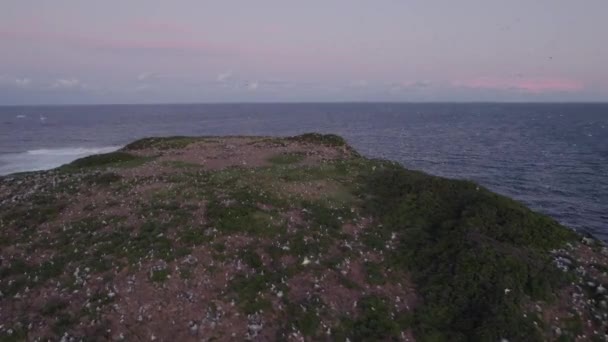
18	334
159	276
374	273
51	269
325	171
465	246
322	139
305	316
53	306
14	277
24	275
150	241
34	214
241	216
219	247
63	322
105	247
251	258
106	159
100	299
178	164
167	205
161	143
193	236
574	325
325	216
17	266
308	243
375	238
376	321
287	158
102	179
249	291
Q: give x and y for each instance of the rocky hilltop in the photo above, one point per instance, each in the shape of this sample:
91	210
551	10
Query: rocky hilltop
299	238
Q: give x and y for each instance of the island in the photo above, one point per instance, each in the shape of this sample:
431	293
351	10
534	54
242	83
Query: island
283	238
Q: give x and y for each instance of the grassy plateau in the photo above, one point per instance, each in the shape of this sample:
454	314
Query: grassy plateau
289	239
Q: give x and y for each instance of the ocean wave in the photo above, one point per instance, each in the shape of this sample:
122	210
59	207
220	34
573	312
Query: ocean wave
46	158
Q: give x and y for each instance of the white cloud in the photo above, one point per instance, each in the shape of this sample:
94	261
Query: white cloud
15	82
146	76
358	84
23	82
253	86
224	77
70	83
409	86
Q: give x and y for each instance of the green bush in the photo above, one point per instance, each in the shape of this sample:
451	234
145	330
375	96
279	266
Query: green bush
474	255
287	158
322	139
164	143
375	323
103	178
105	159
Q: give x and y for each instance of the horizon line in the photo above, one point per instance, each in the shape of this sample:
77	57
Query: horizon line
294	103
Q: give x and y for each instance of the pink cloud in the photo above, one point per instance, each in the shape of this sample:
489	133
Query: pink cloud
160	27
536	85
168	45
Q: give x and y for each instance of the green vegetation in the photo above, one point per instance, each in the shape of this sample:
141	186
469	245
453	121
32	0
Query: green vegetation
251	258
322	139
106	178
37	213
375	322
287	158
63	322
107	159
474	255
291	241
305	316
248	291
160	275
193	236
241	212
164	143
53	306
182	165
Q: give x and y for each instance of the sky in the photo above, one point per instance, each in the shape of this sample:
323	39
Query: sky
157	51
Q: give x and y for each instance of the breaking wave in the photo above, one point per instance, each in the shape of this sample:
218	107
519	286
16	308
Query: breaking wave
44	159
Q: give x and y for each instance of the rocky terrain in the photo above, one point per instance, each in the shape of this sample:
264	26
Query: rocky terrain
297	239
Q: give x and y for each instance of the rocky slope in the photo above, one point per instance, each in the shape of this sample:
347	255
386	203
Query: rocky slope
234	238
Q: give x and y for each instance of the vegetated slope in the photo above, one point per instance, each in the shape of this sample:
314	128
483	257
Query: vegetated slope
232	238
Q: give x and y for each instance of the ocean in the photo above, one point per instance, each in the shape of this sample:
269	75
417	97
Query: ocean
552	157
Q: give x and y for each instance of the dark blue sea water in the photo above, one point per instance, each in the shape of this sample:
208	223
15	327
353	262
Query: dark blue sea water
553	157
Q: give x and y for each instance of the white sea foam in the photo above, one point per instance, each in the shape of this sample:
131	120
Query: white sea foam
44	159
